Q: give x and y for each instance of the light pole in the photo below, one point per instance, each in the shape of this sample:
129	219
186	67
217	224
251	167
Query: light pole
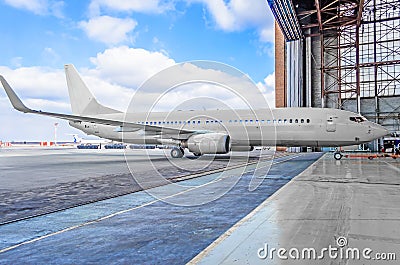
55	133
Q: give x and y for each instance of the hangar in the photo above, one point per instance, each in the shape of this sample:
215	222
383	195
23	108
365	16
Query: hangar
341	54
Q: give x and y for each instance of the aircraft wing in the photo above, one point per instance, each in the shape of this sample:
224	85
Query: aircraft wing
120	124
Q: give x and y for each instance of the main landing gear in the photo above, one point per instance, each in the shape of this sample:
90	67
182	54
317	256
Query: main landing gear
177	152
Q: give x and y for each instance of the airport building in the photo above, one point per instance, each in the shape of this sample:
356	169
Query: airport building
339	54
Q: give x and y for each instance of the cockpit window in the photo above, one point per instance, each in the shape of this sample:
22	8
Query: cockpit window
357	119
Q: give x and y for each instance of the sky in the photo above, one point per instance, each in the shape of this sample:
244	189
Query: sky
116	45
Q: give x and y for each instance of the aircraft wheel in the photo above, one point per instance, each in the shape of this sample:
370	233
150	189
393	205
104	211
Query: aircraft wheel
337	156
177	152
197	154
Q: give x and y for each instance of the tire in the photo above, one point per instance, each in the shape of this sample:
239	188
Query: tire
176	152
337	156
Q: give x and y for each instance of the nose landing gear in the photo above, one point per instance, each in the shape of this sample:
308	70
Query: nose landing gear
337	155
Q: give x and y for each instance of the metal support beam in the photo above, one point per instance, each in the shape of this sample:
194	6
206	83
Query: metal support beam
319	17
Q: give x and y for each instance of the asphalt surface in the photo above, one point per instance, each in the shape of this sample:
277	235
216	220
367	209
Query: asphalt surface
38	181
142	228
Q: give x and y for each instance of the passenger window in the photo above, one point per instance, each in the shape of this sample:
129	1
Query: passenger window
308	121
296	121
285	121
302	120
198	122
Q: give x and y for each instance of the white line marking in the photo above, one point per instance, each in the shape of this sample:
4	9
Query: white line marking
392	167
123	211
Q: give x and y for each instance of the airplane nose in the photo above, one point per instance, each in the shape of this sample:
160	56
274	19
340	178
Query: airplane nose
380	131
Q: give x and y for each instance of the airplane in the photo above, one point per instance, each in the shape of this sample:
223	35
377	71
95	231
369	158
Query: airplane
210	131
79	140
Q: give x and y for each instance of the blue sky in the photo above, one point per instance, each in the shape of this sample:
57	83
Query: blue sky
116	45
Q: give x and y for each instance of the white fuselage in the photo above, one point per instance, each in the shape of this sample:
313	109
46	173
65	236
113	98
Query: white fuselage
262	127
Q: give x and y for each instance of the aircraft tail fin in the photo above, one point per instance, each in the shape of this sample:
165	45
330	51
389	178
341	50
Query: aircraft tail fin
77	139
82	100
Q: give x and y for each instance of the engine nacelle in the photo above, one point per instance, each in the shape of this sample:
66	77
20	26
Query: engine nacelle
209	143
242	148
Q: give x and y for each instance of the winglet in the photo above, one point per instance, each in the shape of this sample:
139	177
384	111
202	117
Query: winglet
15	100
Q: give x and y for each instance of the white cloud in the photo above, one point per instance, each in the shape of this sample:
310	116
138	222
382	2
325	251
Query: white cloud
42	89
36	6
268	89
231	15
109	94
117	73
199	96
108	29
235	15
46	89
195	80
267	33
129	67
39	7
147	6
36	82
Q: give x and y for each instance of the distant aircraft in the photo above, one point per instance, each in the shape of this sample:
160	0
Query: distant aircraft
79	140
210	131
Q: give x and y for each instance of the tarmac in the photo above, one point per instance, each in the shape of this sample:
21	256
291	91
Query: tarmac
85	207
36	181
168	223
350	205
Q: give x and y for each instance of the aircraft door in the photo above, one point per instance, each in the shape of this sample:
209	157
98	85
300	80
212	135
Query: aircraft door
331	123
95	128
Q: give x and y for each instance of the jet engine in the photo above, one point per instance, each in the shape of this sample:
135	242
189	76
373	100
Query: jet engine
209	143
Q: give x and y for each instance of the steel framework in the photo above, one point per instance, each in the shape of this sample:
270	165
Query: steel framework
359	51
361	59
363	55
